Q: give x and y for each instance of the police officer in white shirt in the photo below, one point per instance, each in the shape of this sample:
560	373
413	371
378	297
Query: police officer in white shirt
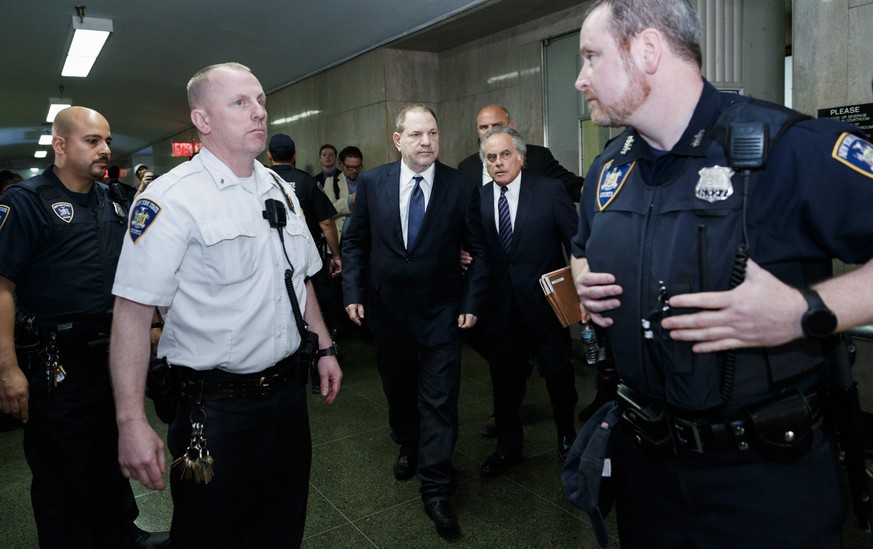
201	243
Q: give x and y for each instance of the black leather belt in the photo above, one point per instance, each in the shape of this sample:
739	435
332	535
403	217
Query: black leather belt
218	384
661	433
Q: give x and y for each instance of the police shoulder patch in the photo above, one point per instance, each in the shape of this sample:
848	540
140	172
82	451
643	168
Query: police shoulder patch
142	215
611	181
4	213
855	153
64	210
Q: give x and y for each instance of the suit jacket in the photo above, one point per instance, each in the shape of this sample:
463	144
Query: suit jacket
538	161
545	222
421	288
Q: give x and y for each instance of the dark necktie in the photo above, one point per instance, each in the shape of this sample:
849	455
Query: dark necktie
416	212
505	227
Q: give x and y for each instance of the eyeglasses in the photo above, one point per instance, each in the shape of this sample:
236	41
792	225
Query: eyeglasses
353	168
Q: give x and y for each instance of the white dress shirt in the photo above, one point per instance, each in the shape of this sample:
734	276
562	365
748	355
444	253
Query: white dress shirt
406	185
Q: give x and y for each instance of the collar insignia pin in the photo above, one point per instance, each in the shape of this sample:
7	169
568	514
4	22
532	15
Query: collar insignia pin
628	143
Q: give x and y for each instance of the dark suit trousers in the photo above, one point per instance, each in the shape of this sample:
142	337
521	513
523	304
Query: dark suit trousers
421	385
509	350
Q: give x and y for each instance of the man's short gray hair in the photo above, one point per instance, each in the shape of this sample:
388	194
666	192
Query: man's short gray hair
200	84
517	140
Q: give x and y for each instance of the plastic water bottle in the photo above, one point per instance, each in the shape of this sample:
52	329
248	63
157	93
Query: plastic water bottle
589	340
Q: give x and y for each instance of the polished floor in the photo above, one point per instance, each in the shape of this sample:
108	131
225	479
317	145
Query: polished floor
354	500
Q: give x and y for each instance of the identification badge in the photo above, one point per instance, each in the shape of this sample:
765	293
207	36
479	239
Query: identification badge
714	184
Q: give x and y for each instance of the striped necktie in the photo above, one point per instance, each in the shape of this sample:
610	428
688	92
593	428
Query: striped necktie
505	227
416	212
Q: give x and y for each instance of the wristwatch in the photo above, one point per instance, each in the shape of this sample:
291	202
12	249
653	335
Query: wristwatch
333	350
818	321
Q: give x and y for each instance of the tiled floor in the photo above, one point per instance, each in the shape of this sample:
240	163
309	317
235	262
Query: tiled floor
354	501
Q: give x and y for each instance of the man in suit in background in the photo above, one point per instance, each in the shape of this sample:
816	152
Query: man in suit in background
539	160
527	219
400	253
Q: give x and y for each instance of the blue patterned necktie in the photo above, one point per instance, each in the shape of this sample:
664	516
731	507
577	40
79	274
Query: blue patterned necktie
416	212
505	228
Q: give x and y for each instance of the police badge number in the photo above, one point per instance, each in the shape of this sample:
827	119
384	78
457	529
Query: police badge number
714	184
144	213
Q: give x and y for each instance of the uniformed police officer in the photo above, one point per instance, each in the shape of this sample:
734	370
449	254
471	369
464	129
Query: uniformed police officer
208	241
723	438
60	236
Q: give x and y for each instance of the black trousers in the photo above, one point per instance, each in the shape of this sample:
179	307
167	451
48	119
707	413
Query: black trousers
422	386
80	499
725	500
508	352
263	452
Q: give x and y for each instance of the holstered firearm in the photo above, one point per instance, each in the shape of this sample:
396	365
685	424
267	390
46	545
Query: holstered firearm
847	414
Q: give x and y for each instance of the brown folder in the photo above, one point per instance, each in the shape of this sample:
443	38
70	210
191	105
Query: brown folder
561	293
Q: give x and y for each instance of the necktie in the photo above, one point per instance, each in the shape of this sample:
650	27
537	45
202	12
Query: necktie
416	212
505	227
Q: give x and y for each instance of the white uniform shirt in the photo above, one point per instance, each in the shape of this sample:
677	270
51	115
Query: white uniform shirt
198	244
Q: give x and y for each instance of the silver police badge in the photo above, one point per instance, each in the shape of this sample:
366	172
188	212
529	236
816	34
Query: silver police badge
714	184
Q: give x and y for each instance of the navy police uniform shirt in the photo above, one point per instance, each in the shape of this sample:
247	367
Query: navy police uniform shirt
60	248
666	223
316	205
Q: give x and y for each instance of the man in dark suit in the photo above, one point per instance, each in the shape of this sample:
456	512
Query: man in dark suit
400	253
527	219
538	161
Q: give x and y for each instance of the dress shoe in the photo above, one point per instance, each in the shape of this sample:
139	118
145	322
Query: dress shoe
404	467
151	540
489	430
440	512
498	463
564	444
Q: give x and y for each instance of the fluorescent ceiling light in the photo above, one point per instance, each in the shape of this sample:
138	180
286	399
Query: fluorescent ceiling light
56	105
89	35
40	154
45	139
34	170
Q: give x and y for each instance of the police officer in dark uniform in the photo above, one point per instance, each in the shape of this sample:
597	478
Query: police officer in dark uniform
710	268
60	238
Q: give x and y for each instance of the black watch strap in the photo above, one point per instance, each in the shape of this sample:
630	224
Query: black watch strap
818	321
333	350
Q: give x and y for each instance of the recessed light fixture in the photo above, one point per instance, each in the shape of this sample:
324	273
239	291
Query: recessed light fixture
57	104
40	154
89	35
45	139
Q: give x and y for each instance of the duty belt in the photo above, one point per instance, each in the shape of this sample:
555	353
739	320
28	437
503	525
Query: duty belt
218	384
779	429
